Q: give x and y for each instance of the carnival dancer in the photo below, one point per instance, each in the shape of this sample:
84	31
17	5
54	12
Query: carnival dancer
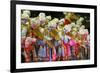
42	53
61	53
29	48
65	44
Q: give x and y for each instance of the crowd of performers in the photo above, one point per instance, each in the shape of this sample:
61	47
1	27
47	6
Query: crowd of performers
44	38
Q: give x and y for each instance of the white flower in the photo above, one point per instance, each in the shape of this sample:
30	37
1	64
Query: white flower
34	22
53	23
80	20
55	20
66	17
72	24
26	16
67	28
82	27
61	21
77	26
42	16
26	12
83	31
48	18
